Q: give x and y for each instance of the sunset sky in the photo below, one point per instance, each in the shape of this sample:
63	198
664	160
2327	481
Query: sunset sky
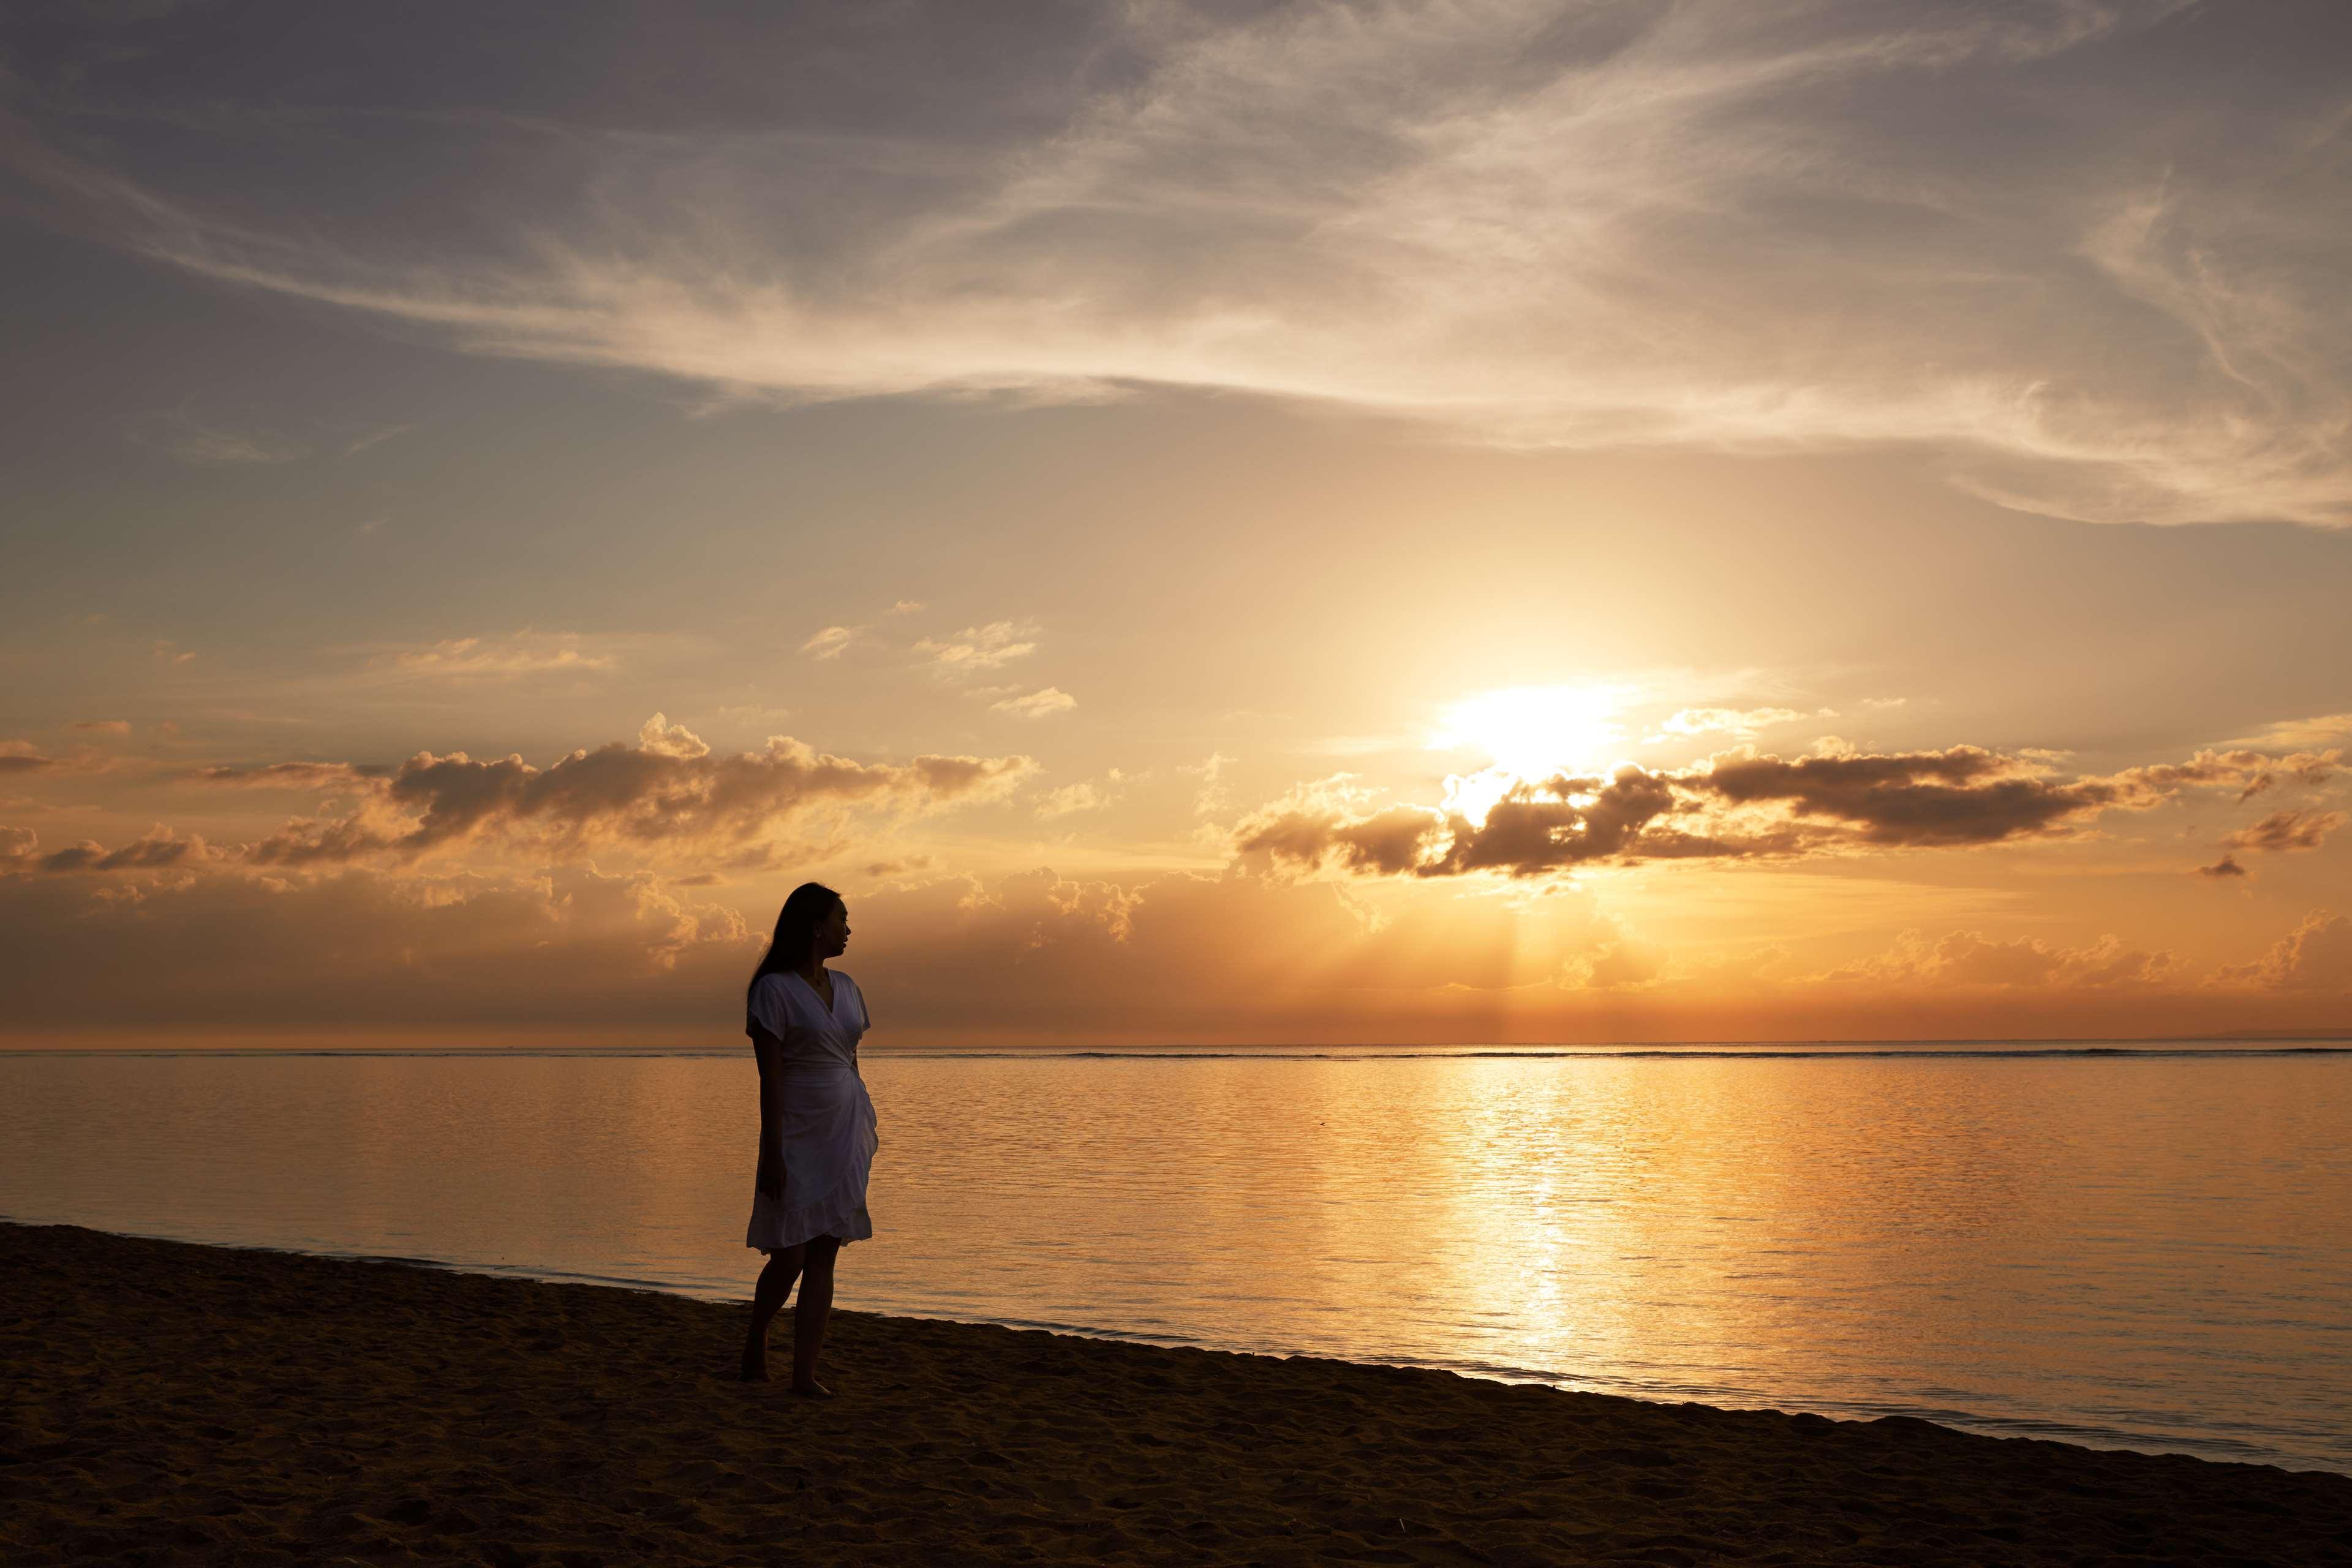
1474	523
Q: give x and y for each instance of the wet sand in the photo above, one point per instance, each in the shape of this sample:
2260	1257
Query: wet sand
168	1404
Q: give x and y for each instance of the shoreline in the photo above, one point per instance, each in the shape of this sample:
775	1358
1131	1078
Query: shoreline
1971	1423
172	1402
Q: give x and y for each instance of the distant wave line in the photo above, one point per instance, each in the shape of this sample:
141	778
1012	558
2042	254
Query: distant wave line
1861	1052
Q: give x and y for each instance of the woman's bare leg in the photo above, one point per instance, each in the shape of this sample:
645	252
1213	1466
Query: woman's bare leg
767	1300
809	1315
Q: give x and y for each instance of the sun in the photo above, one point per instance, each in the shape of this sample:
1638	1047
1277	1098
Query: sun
1535	732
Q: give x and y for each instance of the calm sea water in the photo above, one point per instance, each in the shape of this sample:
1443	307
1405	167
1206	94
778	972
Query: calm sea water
2149	1250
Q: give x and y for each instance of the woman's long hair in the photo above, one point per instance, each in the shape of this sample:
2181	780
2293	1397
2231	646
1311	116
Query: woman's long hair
796	925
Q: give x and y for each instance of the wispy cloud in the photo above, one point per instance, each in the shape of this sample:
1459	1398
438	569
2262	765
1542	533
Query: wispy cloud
24	757
831	642
181	435
377	436
977	649
2286	830
2106	289
1042	703
1744	724
504	657
2301	734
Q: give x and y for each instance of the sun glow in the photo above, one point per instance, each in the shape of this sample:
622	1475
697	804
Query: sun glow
1534	732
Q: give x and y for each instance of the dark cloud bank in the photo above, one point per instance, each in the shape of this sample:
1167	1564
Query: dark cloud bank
1744	807
667	791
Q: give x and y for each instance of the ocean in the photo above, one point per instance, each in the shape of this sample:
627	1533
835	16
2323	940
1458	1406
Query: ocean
2148	1247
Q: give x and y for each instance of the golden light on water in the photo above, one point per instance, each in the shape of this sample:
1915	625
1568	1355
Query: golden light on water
1534	732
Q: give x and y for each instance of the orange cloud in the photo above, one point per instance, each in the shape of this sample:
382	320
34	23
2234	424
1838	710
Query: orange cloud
354	944
2285	830
1739	806
1039	704
24	757
304	776
831	642
20	853
504	658
1039	958
979	648
667	791
2315	956
1971	959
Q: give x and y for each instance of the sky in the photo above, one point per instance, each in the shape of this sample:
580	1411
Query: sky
1207	523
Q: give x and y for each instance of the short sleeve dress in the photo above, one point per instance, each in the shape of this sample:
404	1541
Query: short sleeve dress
825	1136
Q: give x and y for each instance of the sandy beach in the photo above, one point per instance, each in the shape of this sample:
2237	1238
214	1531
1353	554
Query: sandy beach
175	1404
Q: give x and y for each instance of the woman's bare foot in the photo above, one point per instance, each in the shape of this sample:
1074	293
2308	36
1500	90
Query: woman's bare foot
812	1389
755	1368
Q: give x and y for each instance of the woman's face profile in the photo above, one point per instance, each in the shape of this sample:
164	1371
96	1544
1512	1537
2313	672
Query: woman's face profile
832	933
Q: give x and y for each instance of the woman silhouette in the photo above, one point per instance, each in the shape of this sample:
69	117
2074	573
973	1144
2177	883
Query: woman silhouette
817	1133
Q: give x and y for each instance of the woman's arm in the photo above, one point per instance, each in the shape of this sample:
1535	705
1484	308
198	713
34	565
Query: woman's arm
769	1052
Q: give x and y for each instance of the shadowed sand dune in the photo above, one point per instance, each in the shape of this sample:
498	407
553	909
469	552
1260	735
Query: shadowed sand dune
175	1404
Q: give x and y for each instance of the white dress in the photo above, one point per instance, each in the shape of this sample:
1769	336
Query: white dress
825	1134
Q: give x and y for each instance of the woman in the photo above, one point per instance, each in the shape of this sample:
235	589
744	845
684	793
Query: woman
816	1126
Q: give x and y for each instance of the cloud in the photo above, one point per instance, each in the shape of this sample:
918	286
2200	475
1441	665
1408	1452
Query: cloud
1965	795
571	944
1739	806
181	435
2315	956
2301	734
2045	238
666	793
160	847
356	445
1031	954
1741	723
2284	830
23	757
1084	795
2226	866
1072	798
1971	959
307	777
1032	958
103	726
1214	791
501	658
2248	771
979	648
831	642
1039	704
907	606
